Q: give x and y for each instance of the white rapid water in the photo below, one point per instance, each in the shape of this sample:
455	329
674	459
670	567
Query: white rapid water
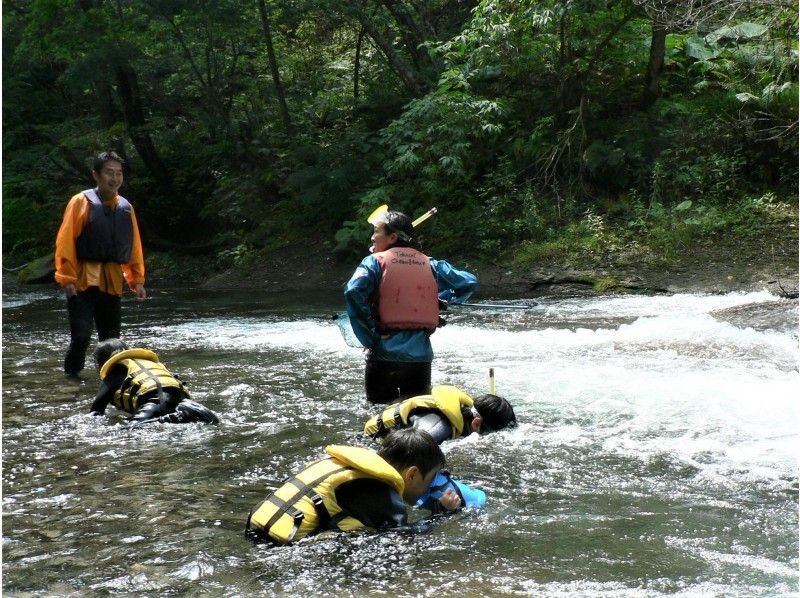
656	453
642	376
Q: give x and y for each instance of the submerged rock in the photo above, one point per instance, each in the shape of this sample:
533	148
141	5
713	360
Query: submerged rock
780	315
40	270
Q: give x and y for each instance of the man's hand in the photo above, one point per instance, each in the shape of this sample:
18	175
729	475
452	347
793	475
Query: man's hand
70	290
141	294
450	500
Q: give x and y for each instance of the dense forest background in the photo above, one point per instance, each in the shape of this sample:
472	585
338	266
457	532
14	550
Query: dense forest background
535	127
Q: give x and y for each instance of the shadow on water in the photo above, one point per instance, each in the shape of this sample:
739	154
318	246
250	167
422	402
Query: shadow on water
655	452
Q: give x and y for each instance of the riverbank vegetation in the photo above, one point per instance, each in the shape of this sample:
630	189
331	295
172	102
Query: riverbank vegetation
540	130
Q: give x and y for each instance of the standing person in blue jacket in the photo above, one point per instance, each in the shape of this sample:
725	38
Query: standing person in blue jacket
393	304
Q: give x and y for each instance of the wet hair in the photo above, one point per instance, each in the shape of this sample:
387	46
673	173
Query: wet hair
496	413
101	160
409	447
397	222
105	349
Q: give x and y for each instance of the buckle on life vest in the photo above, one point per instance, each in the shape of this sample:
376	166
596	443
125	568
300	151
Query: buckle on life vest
323	515
298	521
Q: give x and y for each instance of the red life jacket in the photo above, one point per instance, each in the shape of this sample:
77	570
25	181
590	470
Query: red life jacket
408	294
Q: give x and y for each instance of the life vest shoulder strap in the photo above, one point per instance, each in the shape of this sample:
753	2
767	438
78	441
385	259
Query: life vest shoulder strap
449	401
92	197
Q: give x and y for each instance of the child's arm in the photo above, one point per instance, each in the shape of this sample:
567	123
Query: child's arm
106	392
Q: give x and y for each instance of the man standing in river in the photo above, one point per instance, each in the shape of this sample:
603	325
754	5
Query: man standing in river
98	249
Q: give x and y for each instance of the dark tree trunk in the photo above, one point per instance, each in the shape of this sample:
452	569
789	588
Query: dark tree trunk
655	65
133	113
128	90
407	74
412	35
108	111
273	65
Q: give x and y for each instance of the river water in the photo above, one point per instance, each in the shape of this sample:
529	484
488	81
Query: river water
656	452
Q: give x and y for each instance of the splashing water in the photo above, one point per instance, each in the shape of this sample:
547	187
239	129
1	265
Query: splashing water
656	452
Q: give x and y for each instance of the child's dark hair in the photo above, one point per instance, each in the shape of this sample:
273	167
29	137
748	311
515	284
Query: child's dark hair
409	446
397	222
101	160
496	413
105	349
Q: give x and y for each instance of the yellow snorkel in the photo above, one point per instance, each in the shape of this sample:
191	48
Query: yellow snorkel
381	210
378	212
424	217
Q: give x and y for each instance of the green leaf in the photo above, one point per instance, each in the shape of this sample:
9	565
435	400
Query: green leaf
697	48
683	206
736	32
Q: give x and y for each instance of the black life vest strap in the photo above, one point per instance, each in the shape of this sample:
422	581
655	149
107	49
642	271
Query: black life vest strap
150	373
303	489
126	383
337	519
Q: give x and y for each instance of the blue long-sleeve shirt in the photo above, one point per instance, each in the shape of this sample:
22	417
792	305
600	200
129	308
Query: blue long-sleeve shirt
470	497
455	286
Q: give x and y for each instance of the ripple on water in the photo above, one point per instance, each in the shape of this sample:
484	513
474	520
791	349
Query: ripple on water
655	455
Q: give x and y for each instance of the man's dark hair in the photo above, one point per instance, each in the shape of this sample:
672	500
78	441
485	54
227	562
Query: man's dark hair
105	349
397	222
496	413
101	160
409	446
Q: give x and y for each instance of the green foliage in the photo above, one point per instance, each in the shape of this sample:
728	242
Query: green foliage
241	257
522	122
680	173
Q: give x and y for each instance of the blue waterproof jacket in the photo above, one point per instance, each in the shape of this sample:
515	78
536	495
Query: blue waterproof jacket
455	286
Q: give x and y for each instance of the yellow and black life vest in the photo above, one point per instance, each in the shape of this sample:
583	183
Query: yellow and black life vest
145	374
306	503
446	399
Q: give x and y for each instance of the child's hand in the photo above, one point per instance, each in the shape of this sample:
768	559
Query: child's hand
450	500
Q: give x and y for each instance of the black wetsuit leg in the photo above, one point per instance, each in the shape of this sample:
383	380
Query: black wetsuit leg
391	381
187	411
147	412
153	408
191	411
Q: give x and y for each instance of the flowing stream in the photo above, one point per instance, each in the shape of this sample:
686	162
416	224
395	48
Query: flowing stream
656	452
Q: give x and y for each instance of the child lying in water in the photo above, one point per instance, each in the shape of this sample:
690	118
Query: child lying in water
139	384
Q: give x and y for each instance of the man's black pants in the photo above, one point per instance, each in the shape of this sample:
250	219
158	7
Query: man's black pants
391	381
86	310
